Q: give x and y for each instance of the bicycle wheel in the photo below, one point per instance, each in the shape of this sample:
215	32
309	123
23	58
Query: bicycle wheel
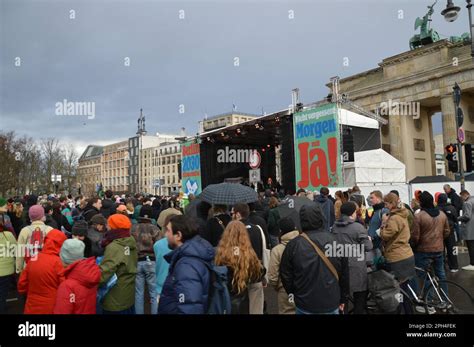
449	298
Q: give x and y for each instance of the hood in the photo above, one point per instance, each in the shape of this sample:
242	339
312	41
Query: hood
402	212
311	217
321	198
53	242
85	271
289	236
197	247
433	212
344	221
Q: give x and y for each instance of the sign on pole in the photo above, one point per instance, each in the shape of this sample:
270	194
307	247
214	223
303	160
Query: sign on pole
191	168
317	148
254	176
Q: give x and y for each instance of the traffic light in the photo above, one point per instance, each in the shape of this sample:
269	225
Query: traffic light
452	158
469	150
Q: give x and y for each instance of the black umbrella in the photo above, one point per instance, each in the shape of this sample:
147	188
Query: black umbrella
228	194
290	207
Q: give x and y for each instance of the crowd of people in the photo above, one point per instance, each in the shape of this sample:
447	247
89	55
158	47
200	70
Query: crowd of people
81	255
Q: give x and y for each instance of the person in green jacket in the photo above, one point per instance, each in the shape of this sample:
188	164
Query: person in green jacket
120	258
7	262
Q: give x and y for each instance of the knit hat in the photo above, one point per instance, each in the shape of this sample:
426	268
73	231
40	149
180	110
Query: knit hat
426	200
286	225
119	221
437	194
98	219
80	228
71	251
3	205
36	212
348	208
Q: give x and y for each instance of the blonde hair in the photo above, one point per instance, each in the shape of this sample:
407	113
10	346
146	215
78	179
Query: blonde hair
17	209
235	251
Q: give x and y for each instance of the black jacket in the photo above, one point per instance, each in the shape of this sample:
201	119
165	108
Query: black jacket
214	230
451	213
254	218
51	222
89	212
255	237
108	208
305	275
455	200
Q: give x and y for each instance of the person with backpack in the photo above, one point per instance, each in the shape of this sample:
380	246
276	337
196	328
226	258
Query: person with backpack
317	284
145	235
120	258
327	208
349	232
186	288
32	237
216	225
450	241
243	266
81	281
241	213
288	232
43	274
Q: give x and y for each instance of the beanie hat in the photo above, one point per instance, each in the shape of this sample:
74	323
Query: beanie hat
119	221
286	225
80	228
348	208
426	200
98	219
36	212
437	194
71	251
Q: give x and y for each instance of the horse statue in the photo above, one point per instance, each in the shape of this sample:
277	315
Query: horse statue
426	35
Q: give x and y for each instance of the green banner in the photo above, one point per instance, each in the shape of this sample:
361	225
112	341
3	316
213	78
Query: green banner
317	148
191	168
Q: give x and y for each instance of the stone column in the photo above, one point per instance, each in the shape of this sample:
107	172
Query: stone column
449	124
432	147
396	145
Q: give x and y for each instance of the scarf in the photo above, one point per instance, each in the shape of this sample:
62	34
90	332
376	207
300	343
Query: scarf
114	235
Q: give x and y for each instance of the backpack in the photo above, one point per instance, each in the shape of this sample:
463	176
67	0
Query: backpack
385	291
219	301
34	243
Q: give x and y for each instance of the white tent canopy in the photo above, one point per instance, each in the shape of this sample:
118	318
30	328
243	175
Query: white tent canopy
374	166
353	119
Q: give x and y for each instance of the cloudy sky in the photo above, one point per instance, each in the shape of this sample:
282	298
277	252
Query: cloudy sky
190	61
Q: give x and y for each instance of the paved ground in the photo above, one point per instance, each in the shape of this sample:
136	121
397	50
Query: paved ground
465	278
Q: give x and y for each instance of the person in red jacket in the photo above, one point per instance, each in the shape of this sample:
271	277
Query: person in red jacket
78	293
41	277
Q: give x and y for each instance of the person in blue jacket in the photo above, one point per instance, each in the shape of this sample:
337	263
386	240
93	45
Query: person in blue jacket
186	288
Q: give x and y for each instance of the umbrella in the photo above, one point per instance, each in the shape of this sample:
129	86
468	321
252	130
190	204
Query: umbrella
290	207
228	194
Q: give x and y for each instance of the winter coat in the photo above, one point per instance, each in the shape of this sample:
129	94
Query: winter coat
255	219
145	235
161	265
17	222
7	260
89	212
396	236
305	275
80	284
455	200
186	288
51	222
41	277
273	218
23	240
285	306
374	223
450	212
213	230
348	232
120	258
430	228
327	207
467	220
95	238
108	208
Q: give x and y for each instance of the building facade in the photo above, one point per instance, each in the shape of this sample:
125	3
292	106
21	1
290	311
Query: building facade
89	170
115	159
223	120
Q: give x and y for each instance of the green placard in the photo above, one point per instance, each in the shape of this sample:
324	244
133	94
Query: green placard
191	168
317	148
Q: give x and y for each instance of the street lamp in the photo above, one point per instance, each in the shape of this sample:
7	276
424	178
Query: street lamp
451	12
